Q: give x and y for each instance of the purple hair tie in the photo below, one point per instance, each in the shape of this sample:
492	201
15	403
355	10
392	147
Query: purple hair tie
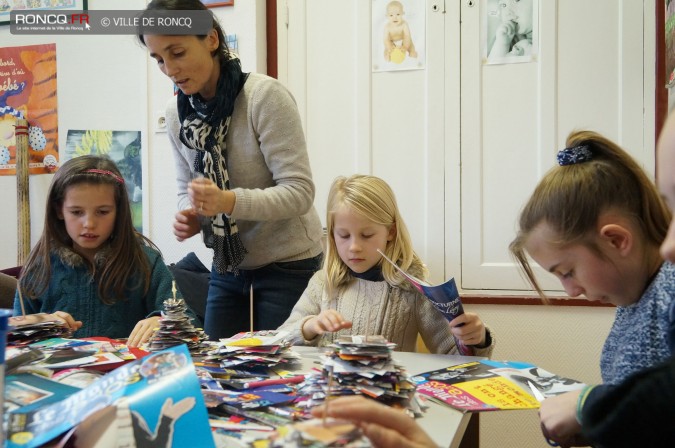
107	173
572	156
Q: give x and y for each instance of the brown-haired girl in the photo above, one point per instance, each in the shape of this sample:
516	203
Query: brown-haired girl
596	222
90	264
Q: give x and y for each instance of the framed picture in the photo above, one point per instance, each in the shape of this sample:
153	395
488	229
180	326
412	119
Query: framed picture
7	6
670	43
214	3
125	149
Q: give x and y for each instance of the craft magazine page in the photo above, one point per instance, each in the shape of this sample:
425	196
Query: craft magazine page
444	297
154	401
488	385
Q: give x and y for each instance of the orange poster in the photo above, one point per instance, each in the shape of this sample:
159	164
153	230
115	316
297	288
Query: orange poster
28	90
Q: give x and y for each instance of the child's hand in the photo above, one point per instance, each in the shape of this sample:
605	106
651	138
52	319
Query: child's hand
186	224
473	330
67	319
327	321
558	417
60	316
383	425
143	330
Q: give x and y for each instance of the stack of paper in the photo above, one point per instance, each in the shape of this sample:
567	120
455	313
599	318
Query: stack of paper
27	334
362	365
253	352
175	328
245	387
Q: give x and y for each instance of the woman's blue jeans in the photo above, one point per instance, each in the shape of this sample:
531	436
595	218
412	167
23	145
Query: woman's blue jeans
276	289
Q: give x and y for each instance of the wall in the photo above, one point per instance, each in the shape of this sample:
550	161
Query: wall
91	92
565	340
109	82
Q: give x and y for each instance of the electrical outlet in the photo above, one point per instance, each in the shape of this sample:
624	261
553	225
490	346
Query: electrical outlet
160	122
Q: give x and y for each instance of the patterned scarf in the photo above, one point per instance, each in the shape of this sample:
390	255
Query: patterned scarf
373	274
204	126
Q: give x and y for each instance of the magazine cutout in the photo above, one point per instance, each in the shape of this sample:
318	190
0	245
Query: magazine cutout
488	385
444	297
155	401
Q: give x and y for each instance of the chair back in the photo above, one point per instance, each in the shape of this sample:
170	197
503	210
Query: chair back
7	290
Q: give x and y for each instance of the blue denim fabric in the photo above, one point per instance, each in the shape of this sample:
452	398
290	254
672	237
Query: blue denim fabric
276	289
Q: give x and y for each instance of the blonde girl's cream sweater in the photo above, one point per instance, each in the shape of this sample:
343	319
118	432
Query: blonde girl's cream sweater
376	308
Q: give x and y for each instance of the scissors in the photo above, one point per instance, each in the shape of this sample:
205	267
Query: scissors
540	397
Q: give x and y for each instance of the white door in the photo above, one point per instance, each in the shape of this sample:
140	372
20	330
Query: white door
461	142
595	71
357	120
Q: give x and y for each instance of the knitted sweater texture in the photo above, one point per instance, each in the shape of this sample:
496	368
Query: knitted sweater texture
72	289
639	337
269	172
396	313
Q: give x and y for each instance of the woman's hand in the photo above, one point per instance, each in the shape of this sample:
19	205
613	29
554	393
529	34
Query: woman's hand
143	330
60	316
473	330
209	200
186	224
326	321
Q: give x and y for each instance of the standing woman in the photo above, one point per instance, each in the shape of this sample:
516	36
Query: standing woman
243	176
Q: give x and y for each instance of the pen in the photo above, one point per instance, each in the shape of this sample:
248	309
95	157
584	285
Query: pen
274	382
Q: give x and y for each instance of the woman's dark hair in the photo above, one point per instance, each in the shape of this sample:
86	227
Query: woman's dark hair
222	51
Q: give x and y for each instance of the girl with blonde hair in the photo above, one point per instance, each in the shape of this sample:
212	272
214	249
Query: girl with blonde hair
355	293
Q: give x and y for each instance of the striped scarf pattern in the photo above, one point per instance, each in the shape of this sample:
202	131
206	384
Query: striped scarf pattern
204	127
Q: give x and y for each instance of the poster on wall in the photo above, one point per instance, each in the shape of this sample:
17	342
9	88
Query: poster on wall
670	42
124	148
510	31
28	91
398	35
